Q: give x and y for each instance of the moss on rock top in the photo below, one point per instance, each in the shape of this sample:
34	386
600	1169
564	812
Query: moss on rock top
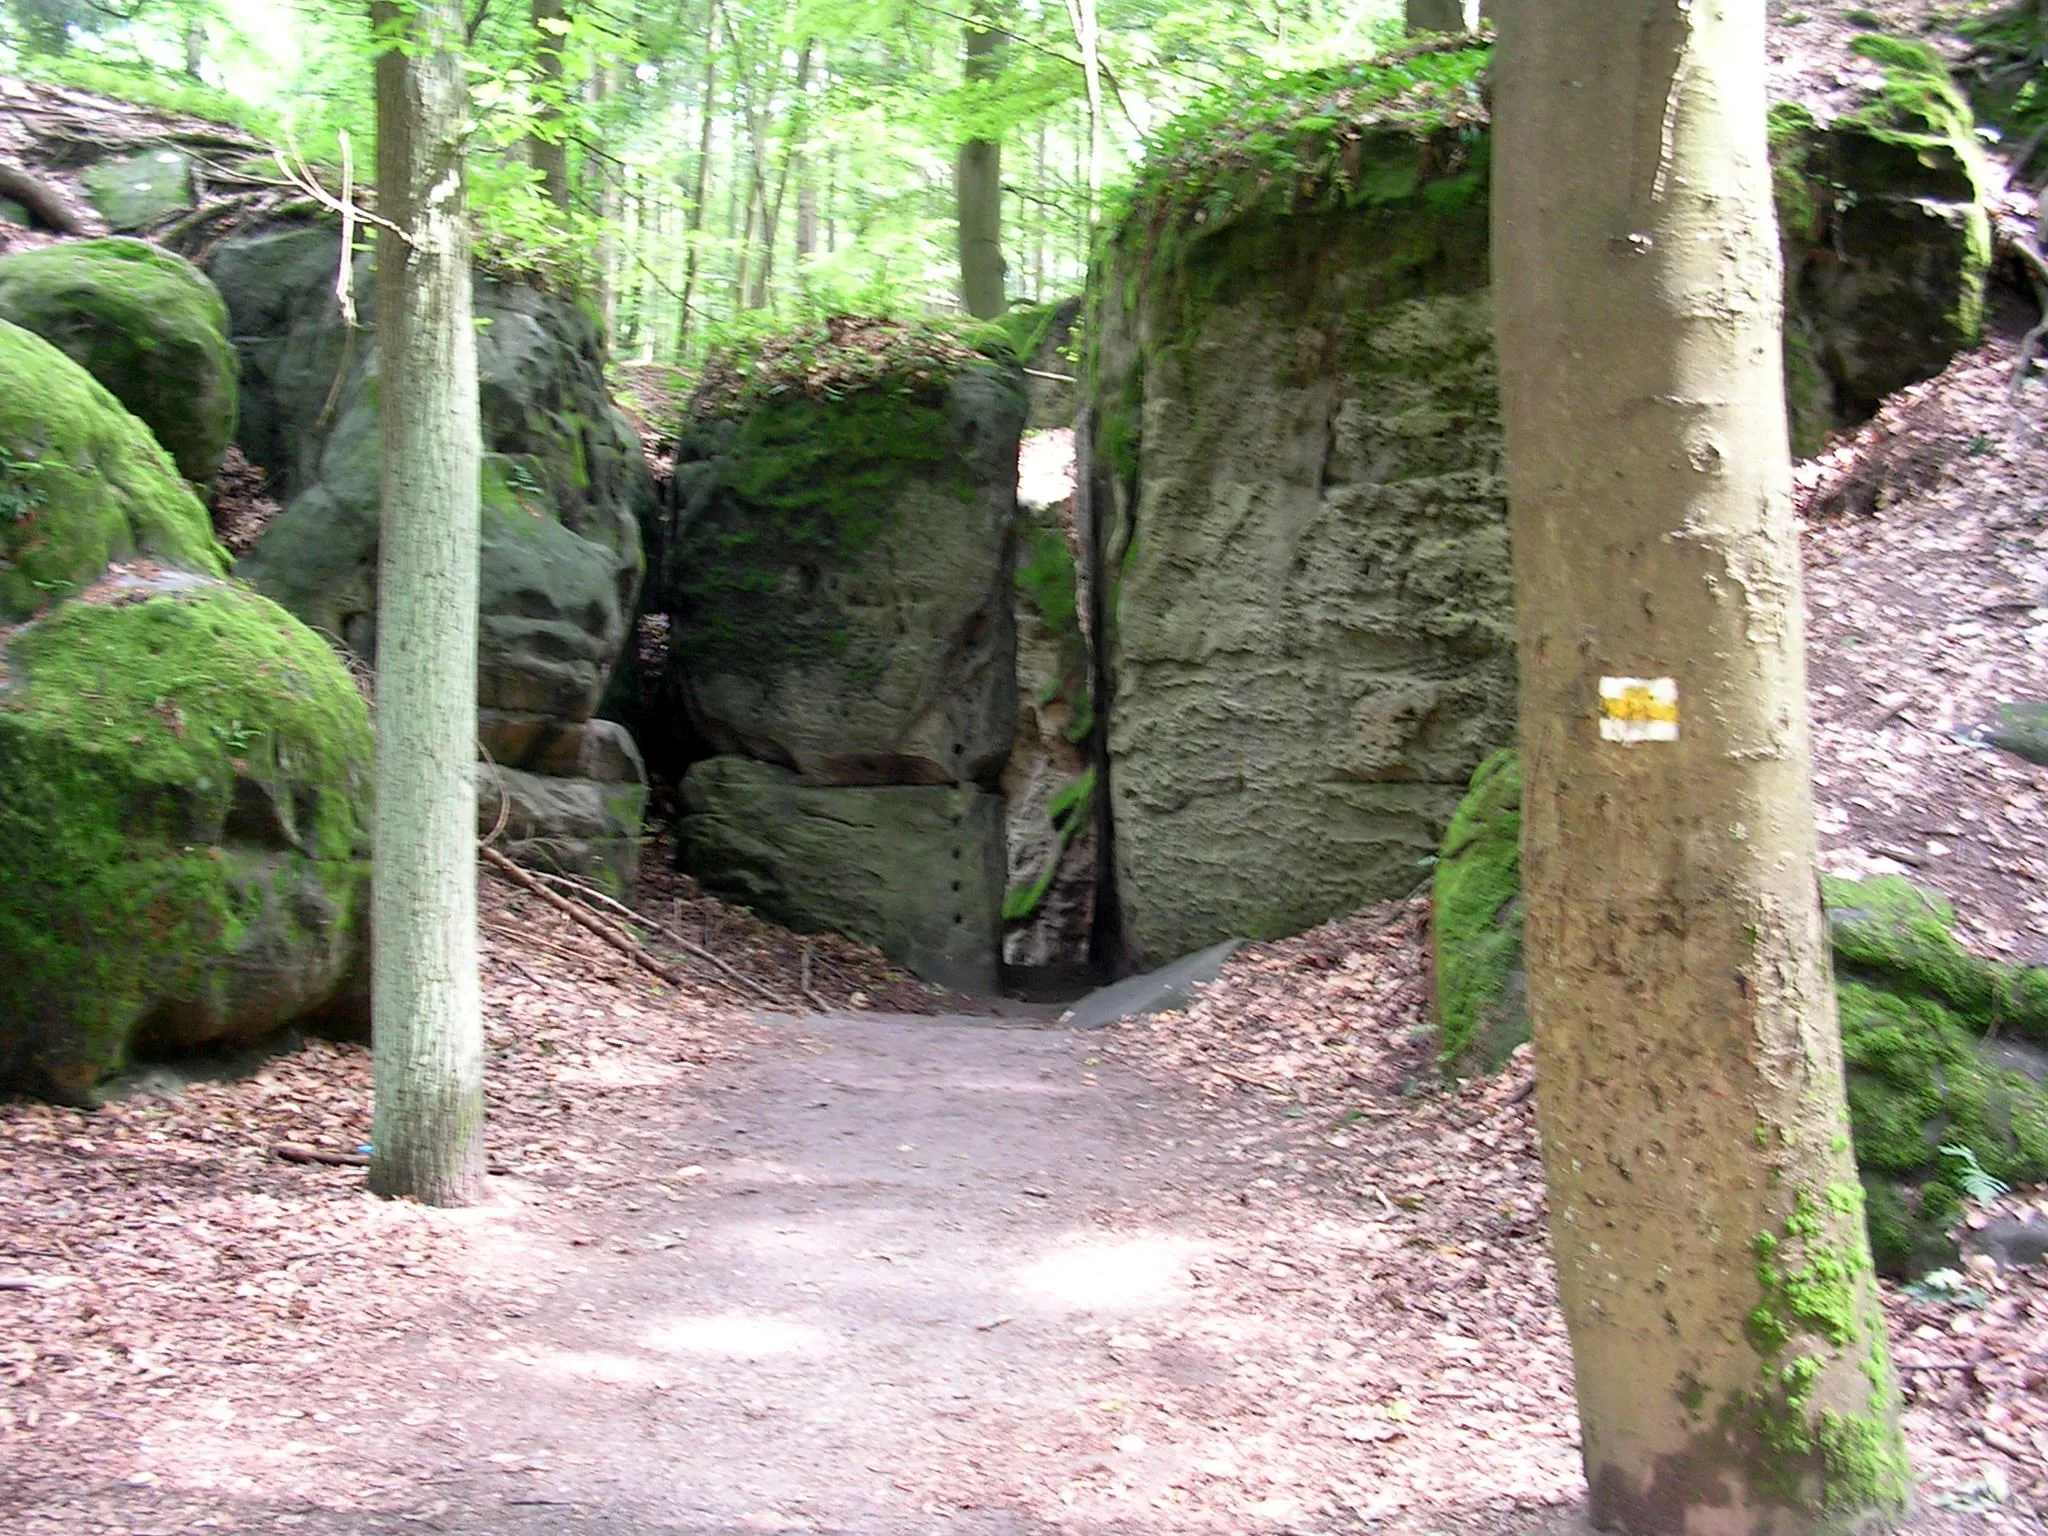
147	324
82	482
831	358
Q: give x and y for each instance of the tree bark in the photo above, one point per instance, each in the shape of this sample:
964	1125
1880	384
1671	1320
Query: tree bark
702	181
771	210
428	1126
1730	1355
978	194
547	150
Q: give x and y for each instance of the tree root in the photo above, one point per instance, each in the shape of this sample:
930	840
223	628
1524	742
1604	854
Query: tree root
45	204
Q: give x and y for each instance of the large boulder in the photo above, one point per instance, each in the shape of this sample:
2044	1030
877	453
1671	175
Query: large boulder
837	575
1298	514
564	483
569	798
1944	1050
145	323
82	483
184	835
916	871
1883	213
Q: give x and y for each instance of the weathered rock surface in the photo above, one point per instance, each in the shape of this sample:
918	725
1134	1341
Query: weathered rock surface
564	482
1942	1049
2021	729
146	324
184	834
916	871
1049	783
1883	213
82	482
1300	529
140	191
838	582
570	798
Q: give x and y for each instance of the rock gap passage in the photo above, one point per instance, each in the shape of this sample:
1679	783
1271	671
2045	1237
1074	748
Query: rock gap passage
1013	1021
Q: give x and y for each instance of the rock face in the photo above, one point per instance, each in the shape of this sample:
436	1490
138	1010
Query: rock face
1942	1049
1049	783
571	798
184	767
564	489
139	191
915	871
82	483
145	323
1299	528
837	580
1294	514
1884	217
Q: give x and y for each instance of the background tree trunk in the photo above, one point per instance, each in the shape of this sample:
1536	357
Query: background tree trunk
702	181
1730	1355
428	1127
1438	15
548	151
978	192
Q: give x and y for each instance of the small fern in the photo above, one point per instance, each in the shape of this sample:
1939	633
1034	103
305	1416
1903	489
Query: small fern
1977	1185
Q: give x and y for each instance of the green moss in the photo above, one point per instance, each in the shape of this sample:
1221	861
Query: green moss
1046	579
1068	811
1889	930
759	362
809	487
82	482
147	87
1477	929
147	324
178	762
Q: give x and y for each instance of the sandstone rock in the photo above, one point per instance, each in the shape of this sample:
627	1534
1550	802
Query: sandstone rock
915	871
184	833
146	324
586	827
134	192
839	582
82	482
564	483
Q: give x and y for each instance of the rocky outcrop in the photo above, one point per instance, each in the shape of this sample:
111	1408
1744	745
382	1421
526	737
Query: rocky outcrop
564	490
1298	525
1294	513
571	798
1049	783
916	871
837	580
184	767
1884	217
146	324
1943	1049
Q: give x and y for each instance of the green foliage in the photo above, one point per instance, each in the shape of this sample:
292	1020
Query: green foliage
1068	811
1477	929
147	87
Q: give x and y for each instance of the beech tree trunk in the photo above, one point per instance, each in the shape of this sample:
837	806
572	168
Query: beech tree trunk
978	194
1440	15
701	181
429	1110
548	151
1730	1357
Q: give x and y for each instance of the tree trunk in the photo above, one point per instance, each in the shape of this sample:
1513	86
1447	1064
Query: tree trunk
195	47
429	1111
702	183
1439	15
1730	1356
547	150
771	211
978	194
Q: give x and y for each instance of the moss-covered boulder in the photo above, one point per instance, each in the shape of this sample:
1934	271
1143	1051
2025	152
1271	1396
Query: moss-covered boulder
140	191
184	854
1943	1049
82	482
1299	531
147	324
838	578
1884	216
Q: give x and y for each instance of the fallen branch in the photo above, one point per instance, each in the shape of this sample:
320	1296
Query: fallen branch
44	203
298	1152
21	1283
586	919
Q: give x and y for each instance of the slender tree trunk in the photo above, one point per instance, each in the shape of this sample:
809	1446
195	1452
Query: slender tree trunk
547	150
195	47
832	201
771	210
429	1110
1729	1351
978	193
702	183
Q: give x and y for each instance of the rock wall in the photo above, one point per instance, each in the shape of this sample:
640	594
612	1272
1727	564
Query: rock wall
836	575
1294	514
564	490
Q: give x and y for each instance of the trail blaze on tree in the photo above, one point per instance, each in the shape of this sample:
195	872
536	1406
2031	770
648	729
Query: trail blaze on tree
428	1132
1731	1362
